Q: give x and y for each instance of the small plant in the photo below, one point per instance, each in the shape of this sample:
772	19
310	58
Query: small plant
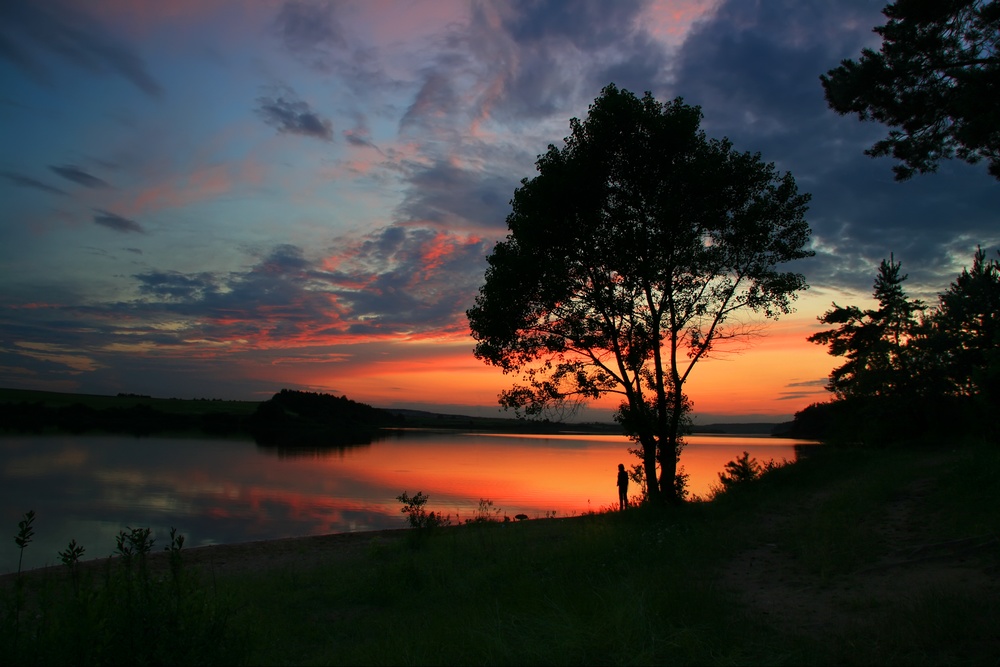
485	513
681	478
417	514
148	619
740	470
25	531
71	556
135	543
176	543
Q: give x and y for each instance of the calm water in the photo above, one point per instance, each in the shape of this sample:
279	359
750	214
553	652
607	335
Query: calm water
215	491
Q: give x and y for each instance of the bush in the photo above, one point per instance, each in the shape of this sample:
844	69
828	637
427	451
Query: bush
417	514
741	470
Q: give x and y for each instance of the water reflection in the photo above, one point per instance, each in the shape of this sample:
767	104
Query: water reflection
88	488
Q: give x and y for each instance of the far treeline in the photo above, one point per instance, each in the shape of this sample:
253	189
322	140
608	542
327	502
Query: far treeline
913	373
288	419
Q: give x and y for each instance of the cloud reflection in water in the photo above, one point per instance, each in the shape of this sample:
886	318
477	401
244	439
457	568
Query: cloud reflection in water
213	491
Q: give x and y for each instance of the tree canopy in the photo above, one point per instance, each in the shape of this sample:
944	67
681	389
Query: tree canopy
913	372
935	82
965	330
873	341
638	249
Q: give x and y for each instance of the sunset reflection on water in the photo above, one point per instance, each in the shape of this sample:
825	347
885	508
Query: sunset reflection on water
89	488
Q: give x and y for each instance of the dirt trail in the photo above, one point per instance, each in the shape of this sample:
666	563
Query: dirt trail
773	584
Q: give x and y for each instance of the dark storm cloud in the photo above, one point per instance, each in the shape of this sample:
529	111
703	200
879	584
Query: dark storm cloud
645	65
598	41
533	58
394	281
276	276
293	116
452	197
589	24
28	182
30	29
71	172
754	69
175	285
283	259
117	222
277	298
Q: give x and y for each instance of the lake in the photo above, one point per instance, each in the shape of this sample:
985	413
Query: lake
218	491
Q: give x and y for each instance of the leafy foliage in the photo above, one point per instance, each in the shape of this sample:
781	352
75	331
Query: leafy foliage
639	249
414	507
935	81
741	470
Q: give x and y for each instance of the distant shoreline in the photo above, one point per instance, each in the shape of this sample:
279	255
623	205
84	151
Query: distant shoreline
133	412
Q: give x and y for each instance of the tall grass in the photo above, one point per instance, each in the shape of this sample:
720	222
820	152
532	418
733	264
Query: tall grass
120	614
642	586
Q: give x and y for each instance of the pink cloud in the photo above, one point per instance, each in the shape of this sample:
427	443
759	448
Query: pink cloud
204	183
670	20
140	20
389	21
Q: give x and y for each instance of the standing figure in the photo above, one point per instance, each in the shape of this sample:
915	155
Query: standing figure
622	487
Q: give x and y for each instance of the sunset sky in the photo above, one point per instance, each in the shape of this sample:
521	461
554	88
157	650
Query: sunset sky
221	199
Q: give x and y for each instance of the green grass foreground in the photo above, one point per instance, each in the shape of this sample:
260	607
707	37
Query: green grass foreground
675	587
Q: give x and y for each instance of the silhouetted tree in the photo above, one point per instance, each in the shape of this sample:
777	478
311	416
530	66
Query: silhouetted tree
640	245
907	377
873	341
935	82
963	341
968	324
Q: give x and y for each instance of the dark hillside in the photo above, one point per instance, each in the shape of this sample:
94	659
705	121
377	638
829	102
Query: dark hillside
289	416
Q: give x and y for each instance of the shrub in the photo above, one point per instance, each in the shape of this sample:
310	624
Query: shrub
741	470
417	514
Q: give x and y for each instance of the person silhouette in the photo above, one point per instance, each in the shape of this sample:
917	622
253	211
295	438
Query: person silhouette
622	487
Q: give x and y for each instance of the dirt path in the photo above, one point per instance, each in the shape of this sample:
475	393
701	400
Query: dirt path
773	584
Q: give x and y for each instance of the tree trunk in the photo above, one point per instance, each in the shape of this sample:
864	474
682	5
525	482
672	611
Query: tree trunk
649	466
668	470
668	447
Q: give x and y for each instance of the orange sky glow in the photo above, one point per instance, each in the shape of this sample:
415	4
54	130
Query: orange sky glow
776	375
